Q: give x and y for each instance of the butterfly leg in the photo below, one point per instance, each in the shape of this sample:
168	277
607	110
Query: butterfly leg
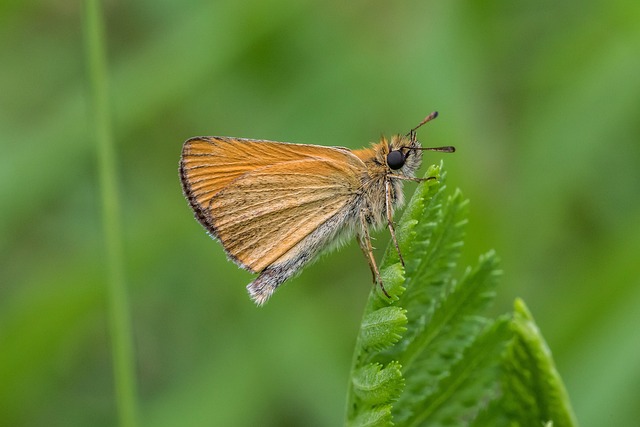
364	240
387	201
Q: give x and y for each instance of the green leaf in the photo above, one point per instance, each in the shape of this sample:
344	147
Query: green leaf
377	416
532	384
430	356
382	328
467	384
375	384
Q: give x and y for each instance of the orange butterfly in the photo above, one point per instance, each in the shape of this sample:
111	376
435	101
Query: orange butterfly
275	206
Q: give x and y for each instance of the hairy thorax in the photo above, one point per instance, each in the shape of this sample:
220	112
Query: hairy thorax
373	201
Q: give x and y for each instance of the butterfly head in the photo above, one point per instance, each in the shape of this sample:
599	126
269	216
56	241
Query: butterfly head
405	152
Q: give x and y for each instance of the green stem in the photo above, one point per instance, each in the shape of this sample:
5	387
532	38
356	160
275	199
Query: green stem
118	306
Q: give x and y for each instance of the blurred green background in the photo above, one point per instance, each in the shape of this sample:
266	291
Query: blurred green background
541	99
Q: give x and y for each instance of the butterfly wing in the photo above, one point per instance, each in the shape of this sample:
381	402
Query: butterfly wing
261	198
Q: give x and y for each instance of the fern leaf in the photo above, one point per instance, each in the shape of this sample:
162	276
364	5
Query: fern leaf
375	384
533	388
429	357
466	386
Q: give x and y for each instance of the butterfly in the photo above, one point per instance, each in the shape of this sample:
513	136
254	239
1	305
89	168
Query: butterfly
275	206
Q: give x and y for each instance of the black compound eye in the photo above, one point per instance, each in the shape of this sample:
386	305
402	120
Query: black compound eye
395	159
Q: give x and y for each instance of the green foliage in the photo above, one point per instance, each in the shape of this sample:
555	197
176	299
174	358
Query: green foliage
430	356
532	385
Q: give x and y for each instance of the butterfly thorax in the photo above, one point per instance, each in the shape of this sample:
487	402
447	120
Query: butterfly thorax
377	173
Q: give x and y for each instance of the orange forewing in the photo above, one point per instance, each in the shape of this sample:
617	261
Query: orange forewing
261	198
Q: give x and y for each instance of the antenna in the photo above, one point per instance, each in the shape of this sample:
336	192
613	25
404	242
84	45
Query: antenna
425	120
412	136
447	149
